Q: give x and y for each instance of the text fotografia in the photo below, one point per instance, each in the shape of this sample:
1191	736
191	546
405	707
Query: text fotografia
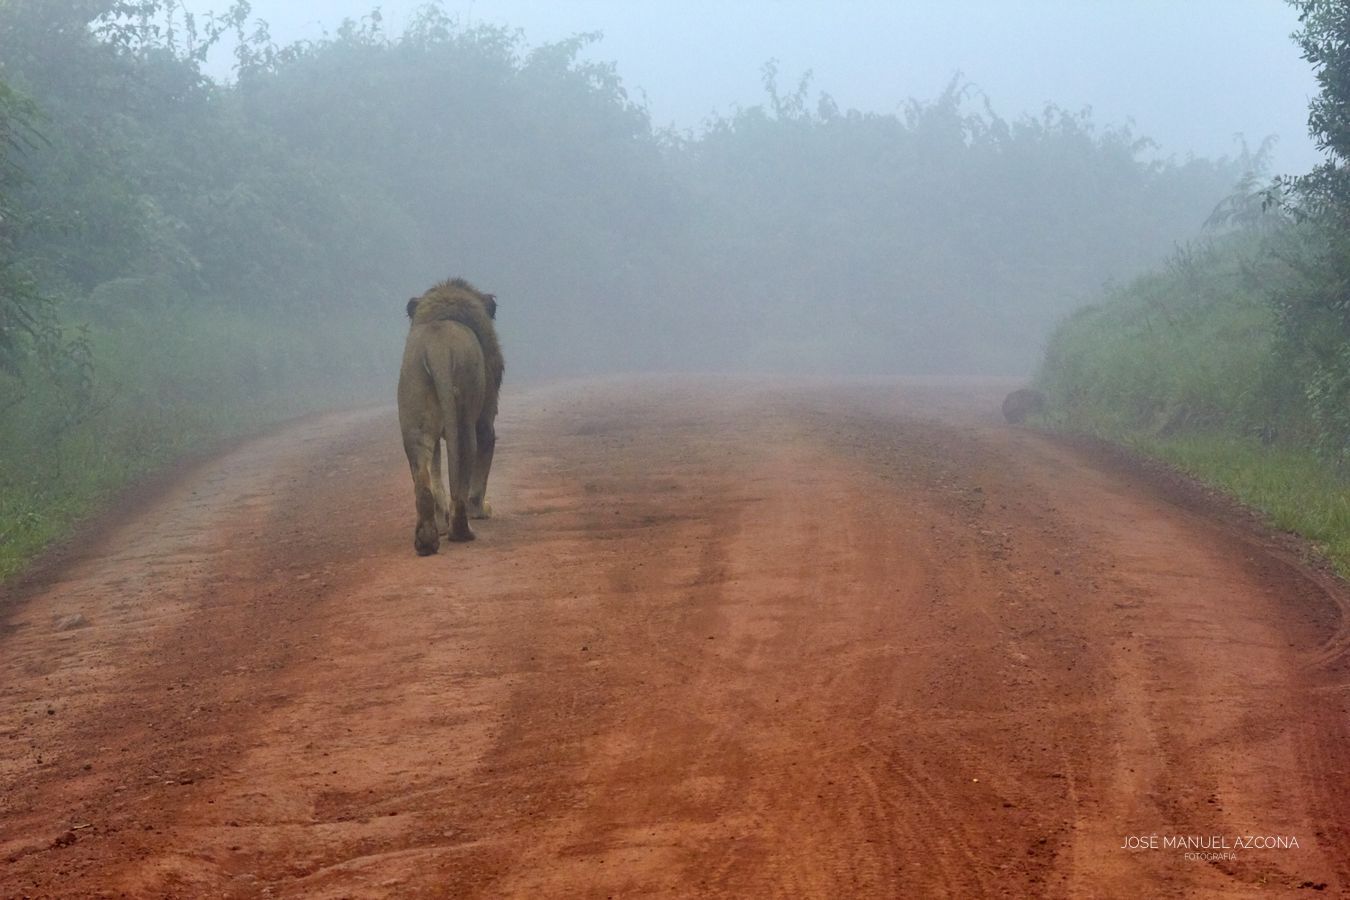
1211	842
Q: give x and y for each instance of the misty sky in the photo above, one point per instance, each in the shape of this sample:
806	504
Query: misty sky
1189	73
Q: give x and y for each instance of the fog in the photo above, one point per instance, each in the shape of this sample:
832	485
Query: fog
1185	90
1190	75
872	188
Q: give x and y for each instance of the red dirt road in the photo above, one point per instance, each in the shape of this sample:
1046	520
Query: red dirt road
723	639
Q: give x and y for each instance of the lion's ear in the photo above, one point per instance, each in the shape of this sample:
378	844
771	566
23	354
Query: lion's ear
490	300
412	306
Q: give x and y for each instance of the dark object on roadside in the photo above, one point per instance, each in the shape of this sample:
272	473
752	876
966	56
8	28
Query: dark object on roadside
1021	403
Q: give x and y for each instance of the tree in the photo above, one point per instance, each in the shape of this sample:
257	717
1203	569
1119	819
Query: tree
1325	41
24	319
1316	312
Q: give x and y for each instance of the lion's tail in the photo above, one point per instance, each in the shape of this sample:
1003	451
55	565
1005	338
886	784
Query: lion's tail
440	368
457	457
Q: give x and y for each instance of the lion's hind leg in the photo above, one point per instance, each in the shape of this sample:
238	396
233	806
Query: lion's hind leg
461	453
438	492
486	436
426	540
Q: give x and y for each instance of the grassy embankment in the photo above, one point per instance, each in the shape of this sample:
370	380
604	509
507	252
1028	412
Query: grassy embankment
1189	365
165	387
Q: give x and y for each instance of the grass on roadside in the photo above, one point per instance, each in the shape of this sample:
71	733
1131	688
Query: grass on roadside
166	387
1294	489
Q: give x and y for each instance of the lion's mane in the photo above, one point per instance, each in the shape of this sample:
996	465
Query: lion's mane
455	300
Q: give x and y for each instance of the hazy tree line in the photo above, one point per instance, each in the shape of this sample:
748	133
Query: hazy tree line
337	176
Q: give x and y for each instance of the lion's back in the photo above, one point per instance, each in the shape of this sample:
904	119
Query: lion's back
446	353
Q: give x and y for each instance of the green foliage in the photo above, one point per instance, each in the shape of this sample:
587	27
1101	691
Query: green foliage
168	382
1315	308
1324	39
1193	346
25	323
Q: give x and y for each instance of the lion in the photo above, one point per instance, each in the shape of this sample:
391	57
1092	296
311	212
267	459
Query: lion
447	391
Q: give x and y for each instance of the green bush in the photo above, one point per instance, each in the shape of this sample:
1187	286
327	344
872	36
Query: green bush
1196	345
168	384
1194	364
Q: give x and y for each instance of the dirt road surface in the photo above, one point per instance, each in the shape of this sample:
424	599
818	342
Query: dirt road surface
724	638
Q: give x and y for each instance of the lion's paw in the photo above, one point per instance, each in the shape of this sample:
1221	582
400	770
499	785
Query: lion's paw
426	541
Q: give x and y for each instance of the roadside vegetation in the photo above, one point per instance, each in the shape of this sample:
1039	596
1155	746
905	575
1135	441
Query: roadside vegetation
1232	361
183	258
